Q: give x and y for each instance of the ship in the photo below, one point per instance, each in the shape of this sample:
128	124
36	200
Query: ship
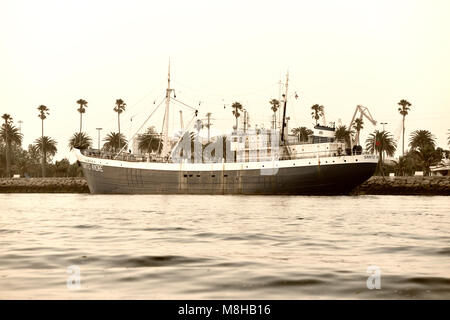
245	162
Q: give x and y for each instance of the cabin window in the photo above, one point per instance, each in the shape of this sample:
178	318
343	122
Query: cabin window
185	175
225	175
198	176
213	175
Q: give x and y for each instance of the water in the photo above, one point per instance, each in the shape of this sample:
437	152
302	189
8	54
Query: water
220	247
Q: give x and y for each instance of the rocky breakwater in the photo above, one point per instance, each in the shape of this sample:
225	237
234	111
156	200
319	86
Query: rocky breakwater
44	185
405	186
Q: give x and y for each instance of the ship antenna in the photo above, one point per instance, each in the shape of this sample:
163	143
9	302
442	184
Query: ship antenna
284	108
166	144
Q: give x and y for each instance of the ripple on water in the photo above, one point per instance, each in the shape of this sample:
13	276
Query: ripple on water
151	261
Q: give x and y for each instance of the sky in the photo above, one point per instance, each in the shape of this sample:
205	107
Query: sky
338	53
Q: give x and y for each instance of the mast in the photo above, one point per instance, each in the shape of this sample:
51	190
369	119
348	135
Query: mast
181	120
166	143
284	108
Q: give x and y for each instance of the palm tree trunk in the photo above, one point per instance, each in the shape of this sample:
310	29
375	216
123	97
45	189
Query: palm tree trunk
8	151
403	142
236	123
43	150
380	163
81	121
118	122
275	120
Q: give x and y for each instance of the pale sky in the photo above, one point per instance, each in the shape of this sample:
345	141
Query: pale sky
338	53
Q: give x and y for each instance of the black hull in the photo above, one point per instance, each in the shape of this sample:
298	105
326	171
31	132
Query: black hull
306	180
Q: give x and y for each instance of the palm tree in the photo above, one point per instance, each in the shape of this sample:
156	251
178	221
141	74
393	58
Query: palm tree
302	133
358	126
421	139
43	113
448	138
379	142
275	104
343	134
10	135
237	107
113	141
80	140
119	108
318	111
150	141
81	110
403	110
46	147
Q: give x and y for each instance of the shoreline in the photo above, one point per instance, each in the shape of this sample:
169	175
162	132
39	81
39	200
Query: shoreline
439	186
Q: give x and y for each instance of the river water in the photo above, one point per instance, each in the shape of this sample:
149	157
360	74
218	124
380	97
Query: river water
82	246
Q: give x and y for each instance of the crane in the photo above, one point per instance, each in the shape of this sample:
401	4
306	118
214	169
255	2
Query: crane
364	112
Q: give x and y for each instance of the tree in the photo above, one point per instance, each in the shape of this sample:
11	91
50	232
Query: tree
150	141
43	113
5	137
113	141
403	110
426	157
237	107
317	112
379	142
82	109
302	133
47	148
404	165
80	140
62	168
275	104
358	126
448	138
343	134
119	108
420	139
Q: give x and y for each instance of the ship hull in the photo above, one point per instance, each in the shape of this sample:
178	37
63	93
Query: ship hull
314	179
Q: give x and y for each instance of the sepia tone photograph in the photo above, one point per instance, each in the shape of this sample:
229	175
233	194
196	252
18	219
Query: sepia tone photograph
225	150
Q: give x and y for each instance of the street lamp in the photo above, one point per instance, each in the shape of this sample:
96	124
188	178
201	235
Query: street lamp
99	129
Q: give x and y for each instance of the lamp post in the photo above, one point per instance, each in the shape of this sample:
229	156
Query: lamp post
99	129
